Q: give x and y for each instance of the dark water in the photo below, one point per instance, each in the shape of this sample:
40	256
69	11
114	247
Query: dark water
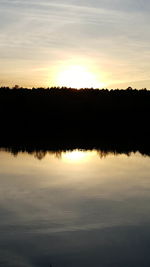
74	209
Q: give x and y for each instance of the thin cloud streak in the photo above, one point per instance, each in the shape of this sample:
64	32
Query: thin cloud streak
51	32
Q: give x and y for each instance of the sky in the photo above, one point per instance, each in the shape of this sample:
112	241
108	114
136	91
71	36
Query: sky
77	43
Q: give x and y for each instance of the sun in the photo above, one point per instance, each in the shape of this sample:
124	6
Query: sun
78	77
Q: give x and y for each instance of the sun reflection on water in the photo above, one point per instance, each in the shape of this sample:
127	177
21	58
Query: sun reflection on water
75	156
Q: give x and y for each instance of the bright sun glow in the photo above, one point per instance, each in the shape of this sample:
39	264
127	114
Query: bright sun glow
75	156
78	77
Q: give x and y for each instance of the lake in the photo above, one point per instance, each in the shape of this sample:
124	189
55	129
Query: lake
74	208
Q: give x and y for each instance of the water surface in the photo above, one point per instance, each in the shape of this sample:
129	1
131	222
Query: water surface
75	208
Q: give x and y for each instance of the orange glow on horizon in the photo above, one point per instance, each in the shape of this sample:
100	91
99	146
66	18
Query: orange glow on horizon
76	76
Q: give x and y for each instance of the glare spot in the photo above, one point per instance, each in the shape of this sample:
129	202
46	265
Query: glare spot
78	77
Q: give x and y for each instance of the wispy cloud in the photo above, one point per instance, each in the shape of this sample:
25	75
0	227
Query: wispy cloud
49	32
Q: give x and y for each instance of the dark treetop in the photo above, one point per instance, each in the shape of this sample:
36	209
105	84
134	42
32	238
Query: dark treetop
62	118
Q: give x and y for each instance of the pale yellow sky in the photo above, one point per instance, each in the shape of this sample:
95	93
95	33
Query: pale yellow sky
75	43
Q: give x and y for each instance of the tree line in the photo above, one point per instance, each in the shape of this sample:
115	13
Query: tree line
82	116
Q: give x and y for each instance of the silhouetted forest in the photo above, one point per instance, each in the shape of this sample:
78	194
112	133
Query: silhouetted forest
65	118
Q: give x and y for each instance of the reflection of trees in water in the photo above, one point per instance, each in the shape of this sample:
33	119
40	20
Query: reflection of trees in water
41	154
13	151
57	154
104	154
38	154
